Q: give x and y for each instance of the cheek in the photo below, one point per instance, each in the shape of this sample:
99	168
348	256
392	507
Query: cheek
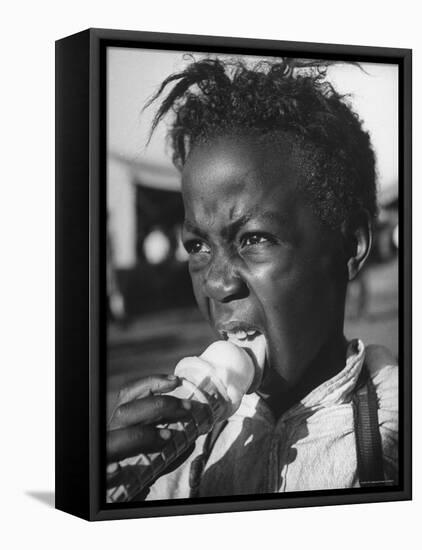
305	295
330	281
324	302
302	310
198	292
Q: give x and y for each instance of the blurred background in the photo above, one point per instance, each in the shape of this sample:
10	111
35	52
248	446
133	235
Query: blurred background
152	317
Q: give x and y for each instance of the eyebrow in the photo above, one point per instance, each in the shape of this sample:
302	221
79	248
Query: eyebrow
234	226
190	226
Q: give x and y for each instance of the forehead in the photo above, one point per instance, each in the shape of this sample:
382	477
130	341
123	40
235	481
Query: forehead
242	173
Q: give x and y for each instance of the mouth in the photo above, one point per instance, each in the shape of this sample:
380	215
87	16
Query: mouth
240	336
252	339
238	332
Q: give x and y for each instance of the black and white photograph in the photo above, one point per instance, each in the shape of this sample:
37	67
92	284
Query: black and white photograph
252	293
210	220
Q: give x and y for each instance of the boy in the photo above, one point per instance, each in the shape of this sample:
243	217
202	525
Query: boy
278	184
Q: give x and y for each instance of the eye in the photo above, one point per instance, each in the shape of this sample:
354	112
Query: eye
195	246
253	239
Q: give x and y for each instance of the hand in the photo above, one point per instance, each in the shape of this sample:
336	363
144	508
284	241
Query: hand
141	406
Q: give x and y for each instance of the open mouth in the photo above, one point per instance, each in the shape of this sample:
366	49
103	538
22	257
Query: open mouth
240	335
238	331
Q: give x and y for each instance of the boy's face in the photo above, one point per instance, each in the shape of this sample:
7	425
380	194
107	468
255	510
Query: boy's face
260	261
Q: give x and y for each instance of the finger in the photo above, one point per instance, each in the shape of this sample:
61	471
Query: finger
134	440
143	387
151	410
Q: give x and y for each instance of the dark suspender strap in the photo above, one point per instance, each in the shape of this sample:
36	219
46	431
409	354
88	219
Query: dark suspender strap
368	439
198	464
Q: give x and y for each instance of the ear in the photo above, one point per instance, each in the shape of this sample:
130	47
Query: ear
358	240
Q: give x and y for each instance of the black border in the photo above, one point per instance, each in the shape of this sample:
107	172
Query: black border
72	382
92	459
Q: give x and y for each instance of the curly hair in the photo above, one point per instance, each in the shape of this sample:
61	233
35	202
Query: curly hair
214	97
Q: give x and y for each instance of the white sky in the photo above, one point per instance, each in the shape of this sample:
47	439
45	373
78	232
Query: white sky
134	74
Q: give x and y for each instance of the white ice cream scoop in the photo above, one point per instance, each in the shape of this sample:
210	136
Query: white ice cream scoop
233	369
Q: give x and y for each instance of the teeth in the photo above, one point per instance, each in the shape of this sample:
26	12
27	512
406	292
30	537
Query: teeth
241	334
238	335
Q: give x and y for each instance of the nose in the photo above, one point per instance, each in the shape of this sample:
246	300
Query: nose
223	282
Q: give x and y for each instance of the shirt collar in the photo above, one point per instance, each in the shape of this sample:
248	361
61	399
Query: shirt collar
335	390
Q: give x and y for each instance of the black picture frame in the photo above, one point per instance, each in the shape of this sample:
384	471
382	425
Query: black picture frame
80	271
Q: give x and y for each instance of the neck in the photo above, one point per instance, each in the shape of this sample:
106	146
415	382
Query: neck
329	361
